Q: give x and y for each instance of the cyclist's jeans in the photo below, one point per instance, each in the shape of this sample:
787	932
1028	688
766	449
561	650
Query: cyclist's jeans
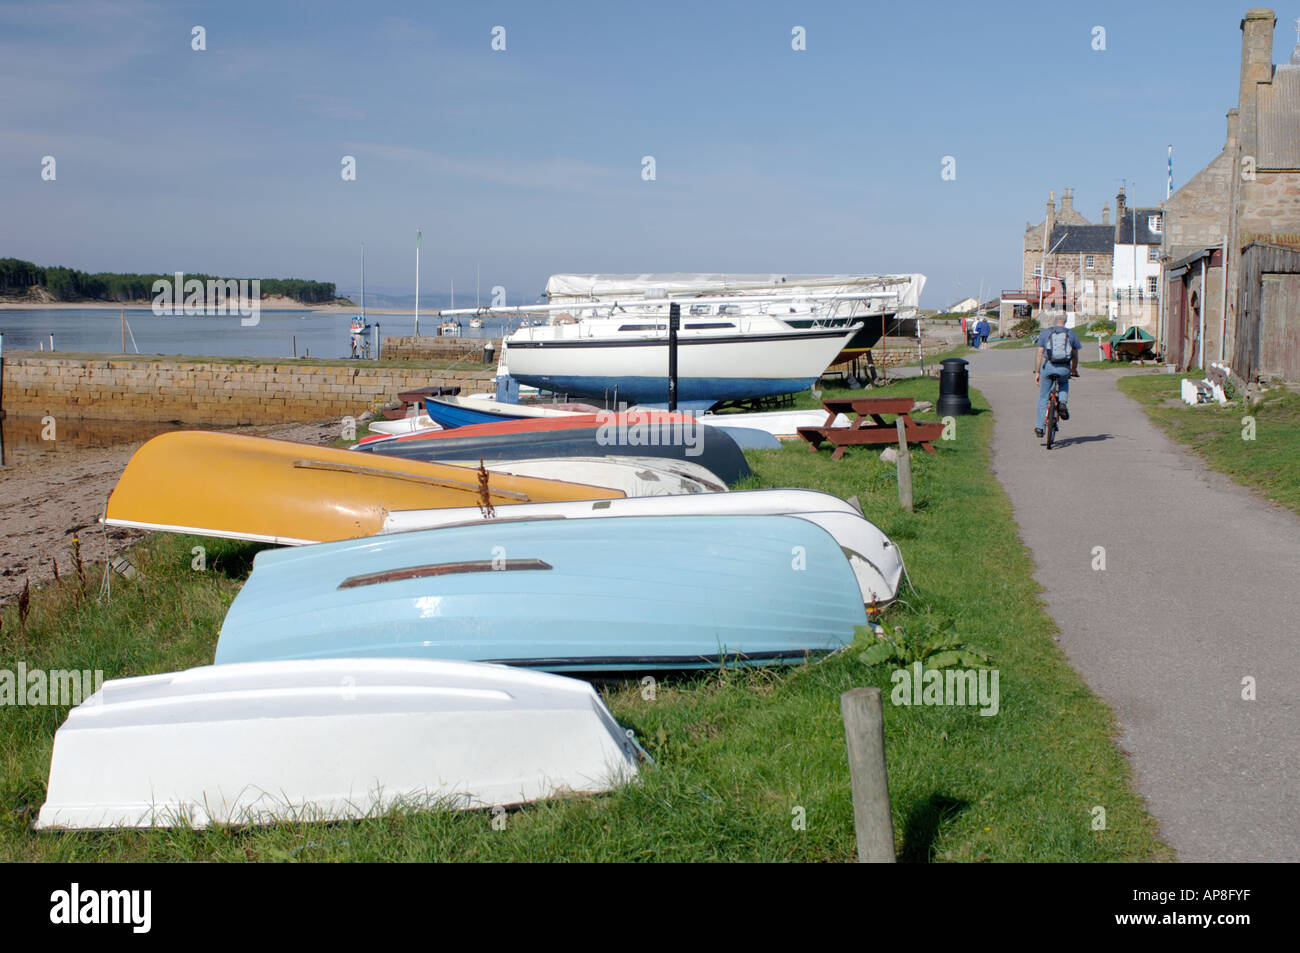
1050	371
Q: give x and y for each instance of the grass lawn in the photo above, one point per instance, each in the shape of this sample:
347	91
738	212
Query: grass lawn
737	752
1268	464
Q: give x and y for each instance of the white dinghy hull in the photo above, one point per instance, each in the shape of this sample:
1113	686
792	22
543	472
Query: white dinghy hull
875	559
327	739
635	476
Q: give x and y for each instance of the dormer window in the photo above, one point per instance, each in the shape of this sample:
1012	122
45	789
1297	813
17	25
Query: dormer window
1153	224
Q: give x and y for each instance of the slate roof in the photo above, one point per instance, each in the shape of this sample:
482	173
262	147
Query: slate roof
1124	233
1082	240
1277	114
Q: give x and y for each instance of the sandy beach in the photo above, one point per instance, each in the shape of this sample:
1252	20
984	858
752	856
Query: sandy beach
46	501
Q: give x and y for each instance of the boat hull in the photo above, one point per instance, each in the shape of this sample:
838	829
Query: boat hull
711	368
591	435
562	595
875	560
277	491
632	476
327	740
454	412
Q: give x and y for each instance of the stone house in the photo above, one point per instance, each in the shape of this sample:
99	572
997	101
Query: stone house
1135	276
1072	269
1231	250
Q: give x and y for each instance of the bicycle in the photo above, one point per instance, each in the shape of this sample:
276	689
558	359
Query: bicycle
1053	413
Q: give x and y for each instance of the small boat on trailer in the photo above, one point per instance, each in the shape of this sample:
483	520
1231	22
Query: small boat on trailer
278	491
644	434
327	740
588	595
875	560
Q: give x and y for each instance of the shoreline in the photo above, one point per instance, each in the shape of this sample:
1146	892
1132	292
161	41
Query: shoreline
276	303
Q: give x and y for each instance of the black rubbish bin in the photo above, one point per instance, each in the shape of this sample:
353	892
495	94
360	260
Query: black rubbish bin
954	388
489	352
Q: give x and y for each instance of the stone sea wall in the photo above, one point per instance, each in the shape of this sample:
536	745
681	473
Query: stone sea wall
214	392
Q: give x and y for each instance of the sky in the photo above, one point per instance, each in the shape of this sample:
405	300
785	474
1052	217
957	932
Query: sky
529	161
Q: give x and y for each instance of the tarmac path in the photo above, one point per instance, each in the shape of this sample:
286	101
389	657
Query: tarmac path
1201	589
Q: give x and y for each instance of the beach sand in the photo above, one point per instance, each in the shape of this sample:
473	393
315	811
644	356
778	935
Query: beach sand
45	501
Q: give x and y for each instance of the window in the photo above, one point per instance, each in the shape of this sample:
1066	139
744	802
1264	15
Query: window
1038	270
1153	285
1153	224
1092	262
1153	253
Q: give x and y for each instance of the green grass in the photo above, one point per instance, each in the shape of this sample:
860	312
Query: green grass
736	751
1268	464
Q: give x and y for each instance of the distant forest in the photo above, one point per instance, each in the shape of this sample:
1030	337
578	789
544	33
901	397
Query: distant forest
68	284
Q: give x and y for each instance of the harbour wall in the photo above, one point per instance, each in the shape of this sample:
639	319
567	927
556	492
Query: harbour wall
427	348
216	391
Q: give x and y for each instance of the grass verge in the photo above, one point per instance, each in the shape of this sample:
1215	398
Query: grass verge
741	754
1265	458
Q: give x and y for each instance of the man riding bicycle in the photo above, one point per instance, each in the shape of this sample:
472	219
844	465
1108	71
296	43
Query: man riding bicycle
1057	360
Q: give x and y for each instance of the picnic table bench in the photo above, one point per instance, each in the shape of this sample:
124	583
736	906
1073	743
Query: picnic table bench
869	427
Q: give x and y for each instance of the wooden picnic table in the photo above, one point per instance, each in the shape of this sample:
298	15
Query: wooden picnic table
870	426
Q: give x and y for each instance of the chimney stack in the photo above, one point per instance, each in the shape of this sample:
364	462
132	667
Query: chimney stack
1119	205
1105	214
1256	67
1049	222
1067	201
1232	130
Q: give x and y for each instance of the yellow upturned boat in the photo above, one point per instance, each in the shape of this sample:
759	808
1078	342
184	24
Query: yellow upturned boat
277	491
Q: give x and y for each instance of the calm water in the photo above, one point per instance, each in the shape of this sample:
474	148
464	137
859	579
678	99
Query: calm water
96	330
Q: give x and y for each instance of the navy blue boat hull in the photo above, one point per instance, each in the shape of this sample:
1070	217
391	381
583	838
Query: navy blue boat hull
709	447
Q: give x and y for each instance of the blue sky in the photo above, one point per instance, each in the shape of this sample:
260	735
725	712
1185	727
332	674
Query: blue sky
528	161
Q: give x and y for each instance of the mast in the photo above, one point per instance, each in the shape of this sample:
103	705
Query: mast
363	283
418	236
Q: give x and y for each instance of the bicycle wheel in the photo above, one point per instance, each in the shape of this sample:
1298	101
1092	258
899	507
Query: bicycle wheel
1050	423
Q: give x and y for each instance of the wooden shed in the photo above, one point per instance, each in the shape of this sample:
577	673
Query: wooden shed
1268	313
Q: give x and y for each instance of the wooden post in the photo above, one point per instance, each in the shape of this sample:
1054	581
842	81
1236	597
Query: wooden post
904	467
864	733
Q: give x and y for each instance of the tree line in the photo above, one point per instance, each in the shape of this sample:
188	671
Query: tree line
17	277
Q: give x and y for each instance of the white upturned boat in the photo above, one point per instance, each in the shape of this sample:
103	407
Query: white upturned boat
328	739
412	424
875	559
635	476
782	424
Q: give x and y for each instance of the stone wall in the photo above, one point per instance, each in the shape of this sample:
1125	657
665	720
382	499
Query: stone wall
426	348
213	392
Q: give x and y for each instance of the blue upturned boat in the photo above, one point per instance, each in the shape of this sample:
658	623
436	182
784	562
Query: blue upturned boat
562	595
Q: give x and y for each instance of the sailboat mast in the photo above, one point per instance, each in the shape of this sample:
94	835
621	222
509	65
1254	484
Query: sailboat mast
363	283
417	282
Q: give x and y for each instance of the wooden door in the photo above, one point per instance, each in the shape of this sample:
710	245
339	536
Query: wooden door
1279	326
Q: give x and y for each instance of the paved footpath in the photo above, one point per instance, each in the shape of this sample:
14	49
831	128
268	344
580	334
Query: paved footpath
1201	589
